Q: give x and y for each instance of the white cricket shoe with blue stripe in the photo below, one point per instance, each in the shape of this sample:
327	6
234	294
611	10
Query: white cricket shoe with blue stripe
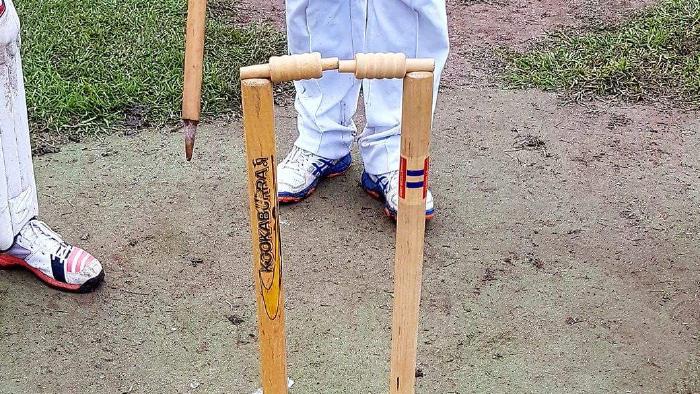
300	172
40	250
385	187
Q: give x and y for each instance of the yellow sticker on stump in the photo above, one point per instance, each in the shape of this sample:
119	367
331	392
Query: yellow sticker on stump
268	235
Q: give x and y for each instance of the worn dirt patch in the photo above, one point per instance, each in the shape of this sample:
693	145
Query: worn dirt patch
572	269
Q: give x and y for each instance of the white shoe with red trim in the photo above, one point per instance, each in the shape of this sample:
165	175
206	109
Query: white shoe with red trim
60	265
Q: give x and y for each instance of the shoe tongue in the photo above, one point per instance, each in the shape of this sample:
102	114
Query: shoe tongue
38	235
299	156
306	160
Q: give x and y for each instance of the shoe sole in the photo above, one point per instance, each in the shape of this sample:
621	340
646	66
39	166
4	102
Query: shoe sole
296	199
387	211
10	262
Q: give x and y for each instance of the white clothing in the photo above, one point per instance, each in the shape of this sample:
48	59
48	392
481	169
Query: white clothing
18	198
341	28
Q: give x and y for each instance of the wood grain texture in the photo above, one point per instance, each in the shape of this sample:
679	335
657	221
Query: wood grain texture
311	65
259	131
380	65
291	67
194	59
296	67
384	65
410	231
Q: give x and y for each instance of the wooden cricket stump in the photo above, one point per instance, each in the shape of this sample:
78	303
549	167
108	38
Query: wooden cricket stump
416	124
194	65
259	132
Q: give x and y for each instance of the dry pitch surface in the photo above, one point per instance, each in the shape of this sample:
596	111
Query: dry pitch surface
564	257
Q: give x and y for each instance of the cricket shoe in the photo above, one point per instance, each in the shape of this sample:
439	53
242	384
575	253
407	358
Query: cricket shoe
385	188
58	264
301	171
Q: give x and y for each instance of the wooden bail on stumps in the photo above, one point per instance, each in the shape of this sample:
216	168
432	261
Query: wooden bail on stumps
312	65
384	65
380	65
295	67
291	68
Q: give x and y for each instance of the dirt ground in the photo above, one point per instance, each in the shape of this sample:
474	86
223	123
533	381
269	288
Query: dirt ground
563	258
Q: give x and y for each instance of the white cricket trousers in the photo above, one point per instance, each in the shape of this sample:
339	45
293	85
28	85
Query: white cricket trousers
341	28
18	199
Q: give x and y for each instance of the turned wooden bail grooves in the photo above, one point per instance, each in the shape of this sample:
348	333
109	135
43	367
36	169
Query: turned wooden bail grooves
311	65
376	65
384	65
291	68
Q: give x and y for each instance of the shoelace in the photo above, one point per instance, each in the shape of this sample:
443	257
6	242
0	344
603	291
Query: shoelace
307	160
385	180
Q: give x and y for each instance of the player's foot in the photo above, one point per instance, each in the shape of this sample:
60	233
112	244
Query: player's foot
299	173
60	265
385	187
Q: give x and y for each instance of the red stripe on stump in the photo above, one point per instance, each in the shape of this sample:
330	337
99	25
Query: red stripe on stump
426	169
402	178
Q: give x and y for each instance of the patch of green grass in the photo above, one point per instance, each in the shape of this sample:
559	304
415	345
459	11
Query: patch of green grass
90	64
653	56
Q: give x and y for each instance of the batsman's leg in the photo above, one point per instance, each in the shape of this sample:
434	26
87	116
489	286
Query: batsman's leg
18	198
24	241
417	28
325	107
